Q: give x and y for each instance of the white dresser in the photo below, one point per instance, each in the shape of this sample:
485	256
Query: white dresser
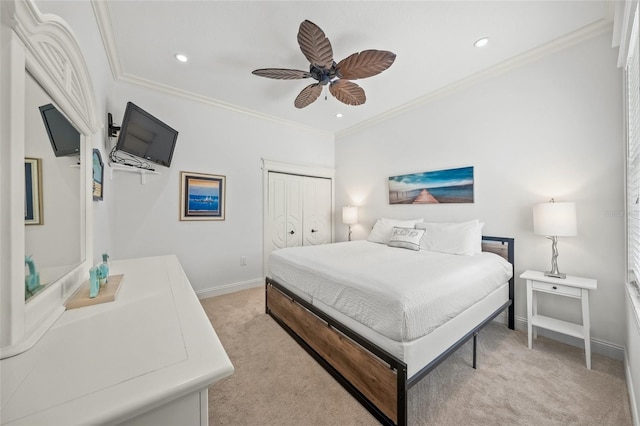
146	358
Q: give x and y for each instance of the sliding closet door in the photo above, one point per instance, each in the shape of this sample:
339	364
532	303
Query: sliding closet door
285	209
299	210
316	211
298	206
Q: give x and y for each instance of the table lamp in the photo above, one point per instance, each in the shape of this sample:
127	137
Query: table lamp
555	220
350	217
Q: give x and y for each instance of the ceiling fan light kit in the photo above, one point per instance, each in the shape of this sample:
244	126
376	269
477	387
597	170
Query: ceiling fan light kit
317	49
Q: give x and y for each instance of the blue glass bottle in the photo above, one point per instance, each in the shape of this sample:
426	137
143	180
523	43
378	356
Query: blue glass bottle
103	270
94	283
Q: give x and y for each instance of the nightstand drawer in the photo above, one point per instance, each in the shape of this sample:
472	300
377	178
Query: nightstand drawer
556	288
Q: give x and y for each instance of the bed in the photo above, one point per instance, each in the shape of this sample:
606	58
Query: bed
366	313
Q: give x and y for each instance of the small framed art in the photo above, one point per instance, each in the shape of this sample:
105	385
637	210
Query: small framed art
202	196
98	175
33	191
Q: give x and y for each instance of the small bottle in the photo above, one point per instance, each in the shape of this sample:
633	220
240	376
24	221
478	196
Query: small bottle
94	284
104	270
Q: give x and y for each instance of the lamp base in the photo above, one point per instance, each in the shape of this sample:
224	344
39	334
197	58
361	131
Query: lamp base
555	275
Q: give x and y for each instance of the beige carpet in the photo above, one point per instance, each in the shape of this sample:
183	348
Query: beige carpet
277	383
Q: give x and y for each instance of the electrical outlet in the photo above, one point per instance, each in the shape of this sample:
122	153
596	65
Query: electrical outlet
243	261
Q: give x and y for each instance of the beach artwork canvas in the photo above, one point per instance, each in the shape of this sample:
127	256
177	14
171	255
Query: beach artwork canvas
435	187
202	196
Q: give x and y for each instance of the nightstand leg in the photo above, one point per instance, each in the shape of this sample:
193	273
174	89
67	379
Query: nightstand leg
586	324
534	301
529	312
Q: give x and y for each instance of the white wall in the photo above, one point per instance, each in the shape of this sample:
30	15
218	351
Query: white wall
550	128
145	220
137	220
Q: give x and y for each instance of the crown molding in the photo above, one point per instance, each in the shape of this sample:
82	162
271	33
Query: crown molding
532	55
138	81
105	27
103	18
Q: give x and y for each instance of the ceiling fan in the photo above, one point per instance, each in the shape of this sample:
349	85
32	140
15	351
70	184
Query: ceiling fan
317	49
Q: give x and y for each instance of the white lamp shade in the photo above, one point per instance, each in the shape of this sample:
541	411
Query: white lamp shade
349	215
555	219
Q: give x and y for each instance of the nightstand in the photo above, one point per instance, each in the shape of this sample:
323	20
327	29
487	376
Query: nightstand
575	287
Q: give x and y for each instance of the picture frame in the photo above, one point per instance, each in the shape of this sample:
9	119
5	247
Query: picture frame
202	196
98	176
433	187
33	211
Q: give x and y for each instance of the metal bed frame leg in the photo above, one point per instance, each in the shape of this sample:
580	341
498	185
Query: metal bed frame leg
475	347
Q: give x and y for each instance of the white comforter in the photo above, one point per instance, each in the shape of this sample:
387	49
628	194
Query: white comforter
401	294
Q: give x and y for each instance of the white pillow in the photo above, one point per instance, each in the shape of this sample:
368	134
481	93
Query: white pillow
463	238
381	232
408	238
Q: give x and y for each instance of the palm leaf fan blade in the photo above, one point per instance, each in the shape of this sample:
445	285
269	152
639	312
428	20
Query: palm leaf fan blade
315	45
281	73
308	95
347	92
365	64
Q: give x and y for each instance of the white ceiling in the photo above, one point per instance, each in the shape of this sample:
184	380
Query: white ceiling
433	41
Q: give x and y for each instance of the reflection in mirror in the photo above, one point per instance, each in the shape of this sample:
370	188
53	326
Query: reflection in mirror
53	220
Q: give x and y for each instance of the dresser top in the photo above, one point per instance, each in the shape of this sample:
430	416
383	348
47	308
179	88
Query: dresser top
103	363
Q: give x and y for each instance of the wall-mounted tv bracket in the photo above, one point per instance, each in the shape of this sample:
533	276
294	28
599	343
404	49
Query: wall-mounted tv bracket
113	130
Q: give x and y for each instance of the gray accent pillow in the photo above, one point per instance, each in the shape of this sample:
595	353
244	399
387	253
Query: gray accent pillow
408	238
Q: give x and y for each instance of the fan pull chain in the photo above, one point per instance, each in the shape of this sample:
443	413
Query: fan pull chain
325	91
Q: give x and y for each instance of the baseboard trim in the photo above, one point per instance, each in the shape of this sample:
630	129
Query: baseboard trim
600	347
229	288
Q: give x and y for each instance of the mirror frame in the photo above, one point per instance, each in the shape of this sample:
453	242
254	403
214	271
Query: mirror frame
44	46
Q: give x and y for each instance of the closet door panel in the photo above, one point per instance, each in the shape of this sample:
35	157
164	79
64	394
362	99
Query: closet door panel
295	219
317	211
299	210
278	210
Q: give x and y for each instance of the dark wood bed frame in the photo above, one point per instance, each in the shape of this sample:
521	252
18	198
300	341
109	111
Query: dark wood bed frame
377	379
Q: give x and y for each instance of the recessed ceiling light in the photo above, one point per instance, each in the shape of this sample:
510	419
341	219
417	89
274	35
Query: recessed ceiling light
482	42
339	115
180	57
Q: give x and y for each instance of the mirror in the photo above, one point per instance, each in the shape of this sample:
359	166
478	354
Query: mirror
53	202
43	46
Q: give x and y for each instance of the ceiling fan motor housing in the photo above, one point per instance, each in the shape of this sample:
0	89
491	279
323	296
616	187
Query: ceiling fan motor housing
323	75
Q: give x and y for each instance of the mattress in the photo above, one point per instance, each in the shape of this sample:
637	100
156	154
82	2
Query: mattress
401	294
420	352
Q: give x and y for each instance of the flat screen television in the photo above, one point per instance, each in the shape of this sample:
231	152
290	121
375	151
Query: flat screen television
143	135
64	138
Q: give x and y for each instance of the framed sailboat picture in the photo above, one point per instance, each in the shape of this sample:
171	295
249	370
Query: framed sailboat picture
202	196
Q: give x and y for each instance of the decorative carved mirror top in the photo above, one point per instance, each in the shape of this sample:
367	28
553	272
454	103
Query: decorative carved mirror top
51	44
